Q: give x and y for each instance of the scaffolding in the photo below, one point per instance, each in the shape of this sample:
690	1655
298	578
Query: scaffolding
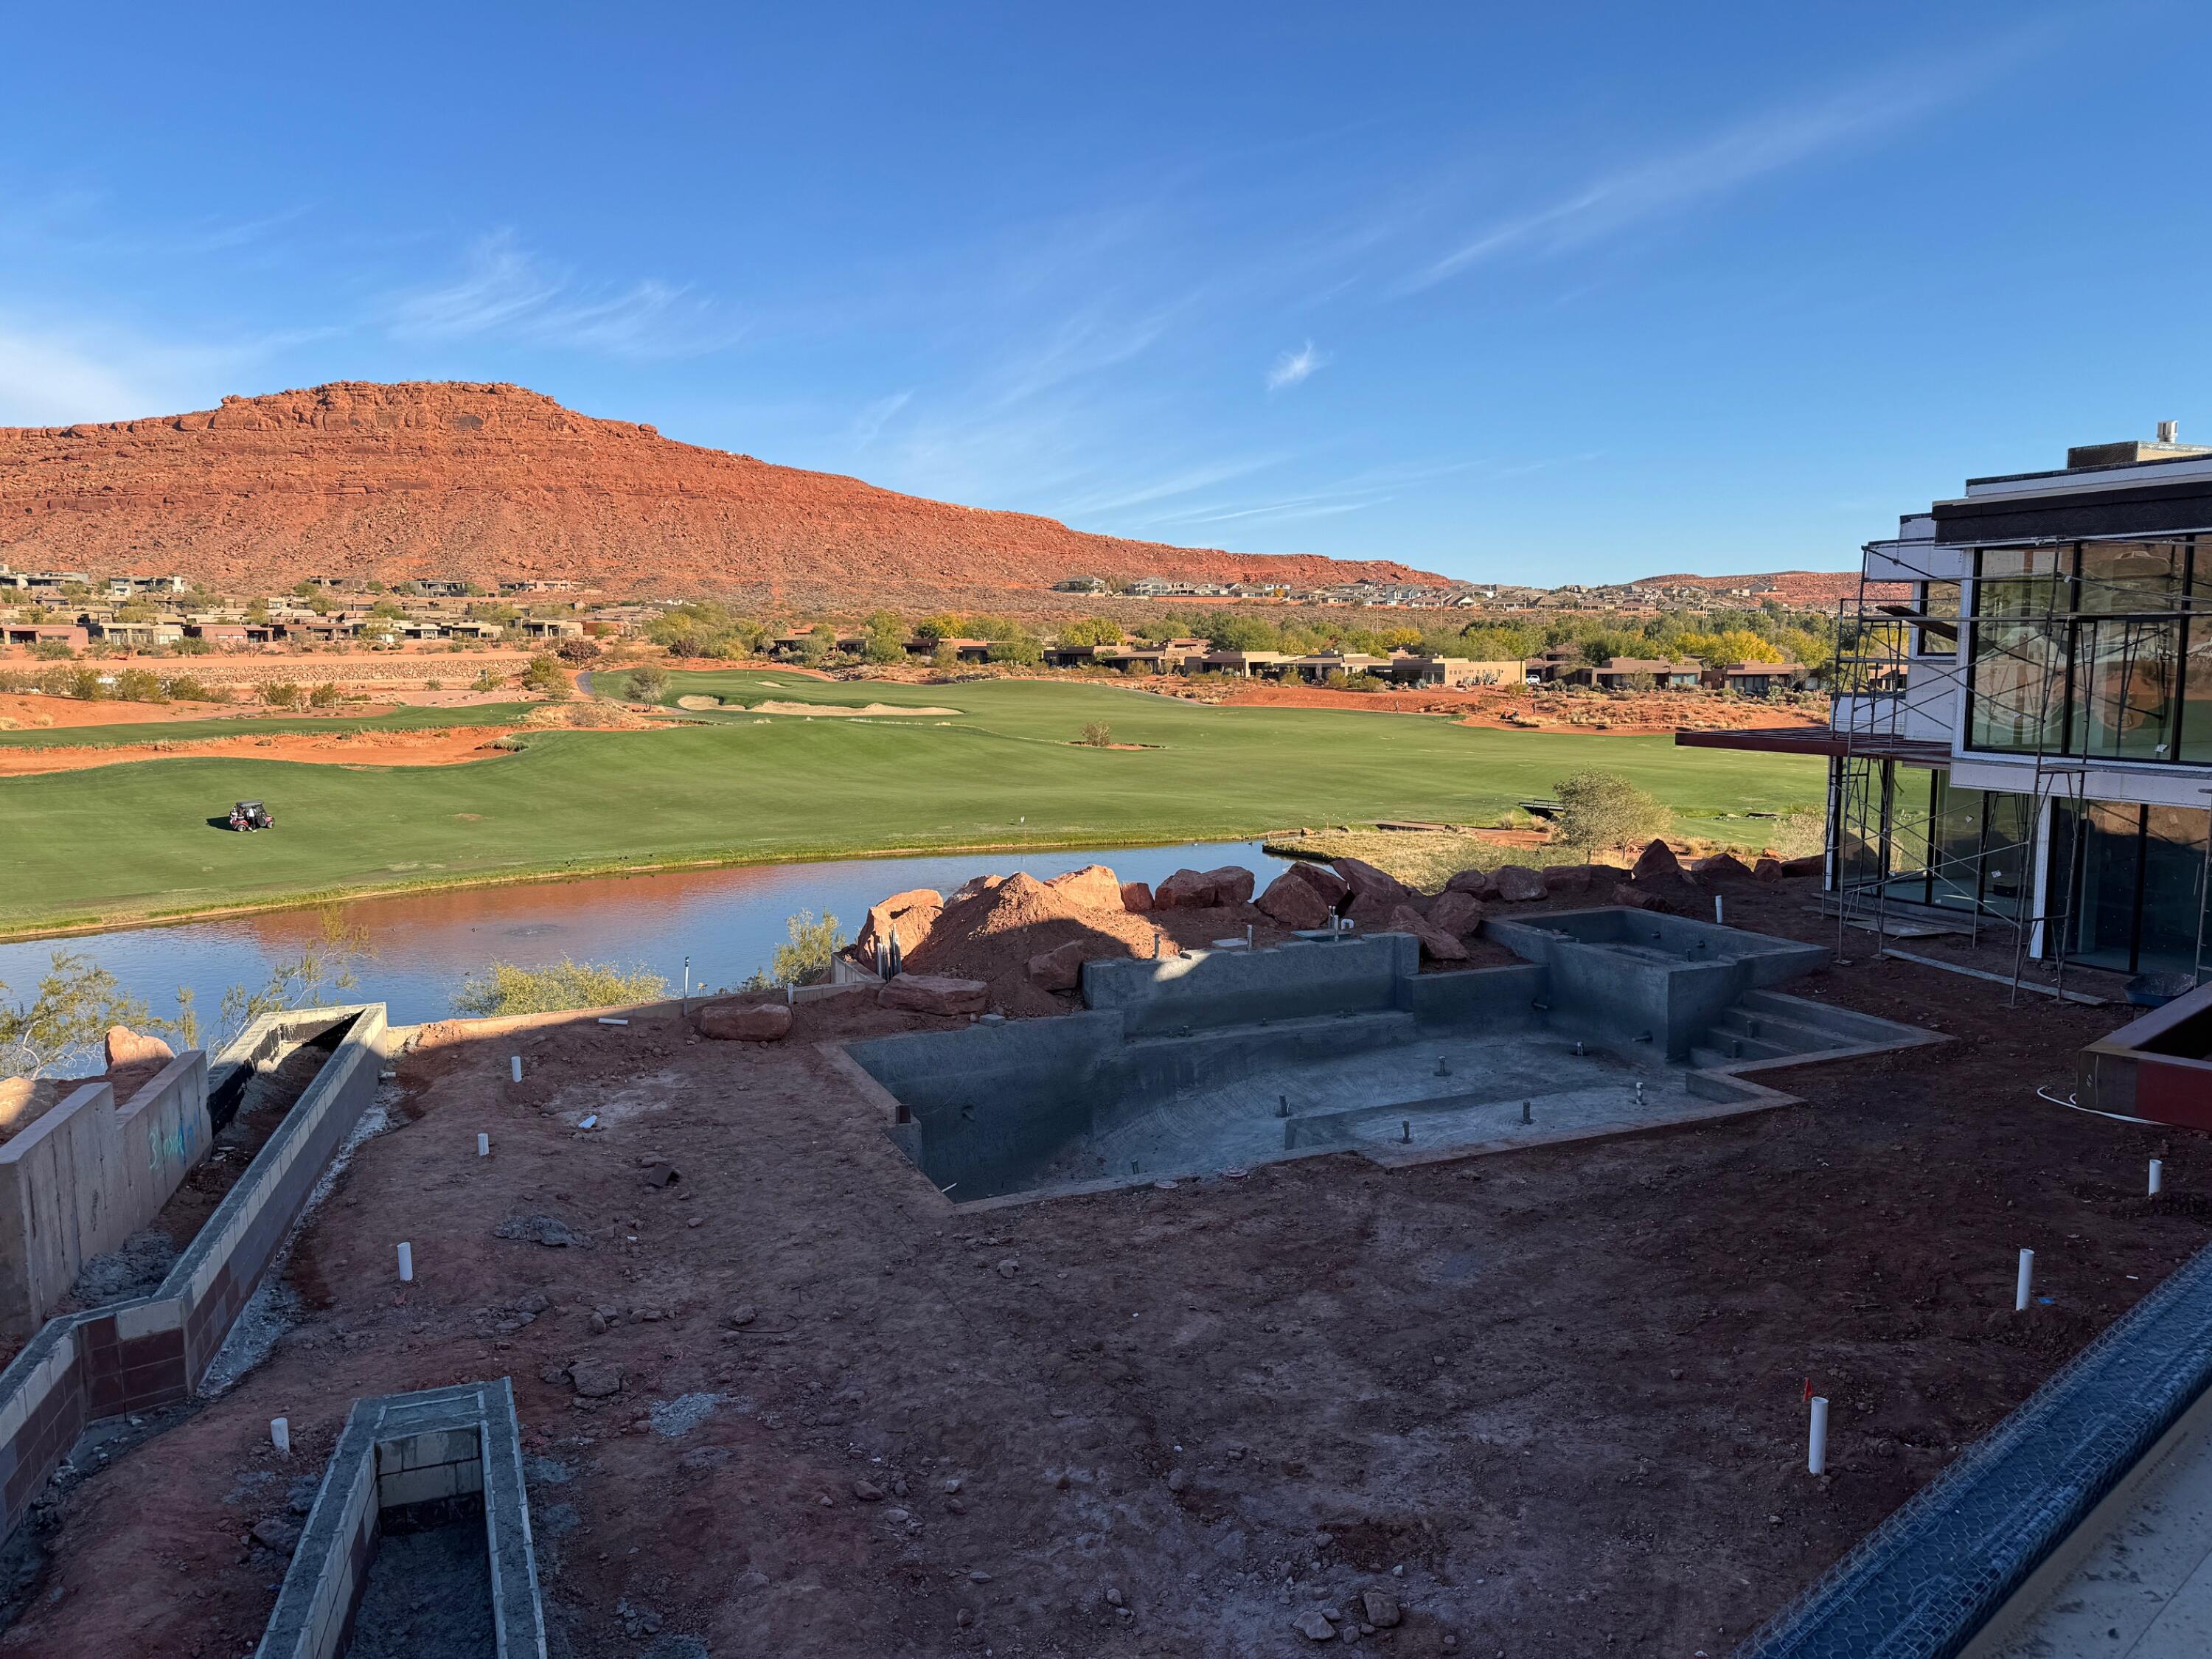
2026	670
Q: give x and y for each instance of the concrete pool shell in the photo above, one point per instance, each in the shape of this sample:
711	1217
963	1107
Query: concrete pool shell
1615	1020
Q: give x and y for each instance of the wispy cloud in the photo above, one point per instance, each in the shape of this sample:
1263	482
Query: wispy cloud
1769	142
53	373
1293	367
505	291
872	419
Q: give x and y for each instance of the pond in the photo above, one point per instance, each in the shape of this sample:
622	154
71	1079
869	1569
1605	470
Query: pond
727	922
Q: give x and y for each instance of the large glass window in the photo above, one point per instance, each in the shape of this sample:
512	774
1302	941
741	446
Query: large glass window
2172	891
2196	742
2019	688
2122	577
2123	685
2101	847
1939	602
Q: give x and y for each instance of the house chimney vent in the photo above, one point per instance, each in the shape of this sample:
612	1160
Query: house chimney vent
2169	432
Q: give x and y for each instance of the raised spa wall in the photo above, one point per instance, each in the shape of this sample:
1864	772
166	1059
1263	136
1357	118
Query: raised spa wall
980	1109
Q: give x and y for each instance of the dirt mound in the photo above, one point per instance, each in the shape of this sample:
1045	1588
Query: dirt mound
435	479
992	935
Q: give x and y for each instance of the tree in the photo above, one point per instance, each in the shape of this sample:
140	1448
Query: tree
576	648
1091	631
67	1019
1021	650
1600	809
323	968
648	681
885	648
1230	632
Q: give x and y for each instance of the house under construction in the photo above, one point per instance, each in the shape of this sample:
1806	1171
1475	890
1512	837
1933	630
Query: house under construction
2021	740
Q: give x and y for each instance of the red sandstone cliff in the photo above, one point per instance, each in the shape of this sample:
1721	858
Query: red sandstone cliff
498	483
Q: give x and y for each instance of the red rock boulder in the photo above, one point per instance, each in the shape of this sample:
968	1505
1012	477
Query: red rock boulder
1475	883
1232	884
1295	902
1094	887
1136	897
1436	945
1516	884
1639	898
1657	863
1721	866
128	1048
1566	877
746	1022
1060	970
1186	889
1456	913
1767	870
910	914
1811	865
1370	885
934	994
1322	879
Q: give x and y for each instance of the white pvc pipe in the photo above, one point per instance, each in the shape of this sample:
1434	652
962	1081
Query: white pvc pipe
280	1435
2157	1176
407	1264
515	1062
2027	1281
484	1145
1816	1445
1717	914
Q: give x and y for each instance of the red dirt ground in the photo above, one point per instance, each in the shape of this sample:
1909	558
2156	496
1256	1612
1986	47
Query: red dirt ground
1561	1388
452	747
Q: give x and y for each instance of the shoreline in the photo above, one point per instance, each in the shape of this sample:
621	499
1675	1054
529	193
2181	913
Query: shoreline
131	920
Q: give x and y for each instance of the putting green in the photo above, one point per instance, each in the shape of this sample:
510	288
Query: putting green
135	839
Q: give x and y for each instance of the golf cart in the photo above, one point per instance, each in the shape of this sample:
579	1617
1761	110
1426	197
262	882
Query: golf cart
251	815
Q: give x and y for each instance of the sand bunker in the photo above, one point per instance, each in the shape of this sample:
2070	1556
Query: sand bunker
772	707
697	700
452	748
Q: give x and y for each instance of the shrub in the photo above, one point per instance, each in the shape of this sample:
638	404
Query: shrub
1599	810
187	688
545	674
508	988
139	685
68	1020
805	958
52	651
323	696
884	647
1021	650
85	685
577	650
649	681
280	694
1098	735
433	685
486	681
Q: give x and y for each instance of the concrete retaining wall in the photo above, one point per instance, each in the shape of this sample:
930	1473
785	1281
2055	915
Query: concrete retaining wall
1203	988
151	1351
88	1175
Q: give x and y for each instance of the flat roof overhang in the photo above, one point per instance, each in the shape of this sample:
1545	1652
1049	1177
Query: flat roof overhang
1818	740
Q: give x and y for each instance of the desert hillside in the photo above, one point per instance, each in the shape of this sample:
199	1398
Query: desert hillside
499	482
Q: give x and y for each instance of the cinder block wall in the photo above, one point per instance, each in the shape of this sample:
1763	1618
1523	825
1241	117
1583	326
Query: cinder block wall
90	1174
151	1351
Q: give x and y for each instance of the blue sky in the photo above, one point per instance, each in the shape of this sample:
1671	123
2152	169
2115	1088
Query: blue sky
1523	293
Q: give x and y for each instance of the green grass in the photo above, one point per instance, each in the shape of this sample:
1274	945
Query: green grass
120	841
255	725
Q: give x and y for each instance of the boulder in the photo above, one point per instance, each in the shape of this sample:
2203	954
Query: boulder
910	914
1566	877
1436	945
1094	887
1767	870
1721	867
128	1048
1232	884
935	993
1136	897
1295	902
975	884
1657	862
746	1022
1186	889
1811	865
1323	880
595	1379
1060	970
1475	883
1639	898
1456	913
1518	885
1366	882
